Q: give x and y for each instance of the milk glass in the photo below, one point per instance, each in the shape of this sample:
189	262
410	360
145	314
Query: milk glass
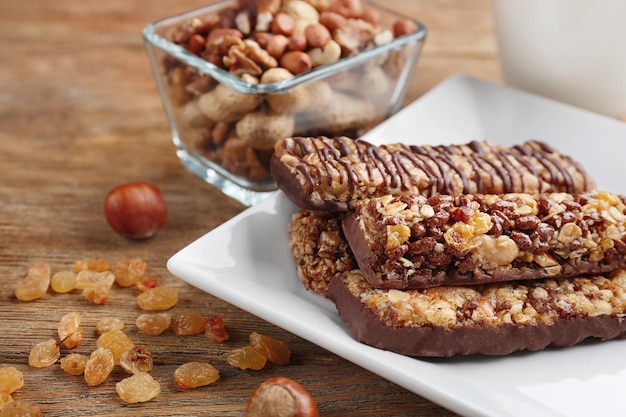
573	51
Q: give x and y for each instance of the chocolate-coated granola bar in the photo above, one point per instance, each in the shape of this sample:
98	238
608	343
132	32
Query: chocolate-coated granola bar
417	242
319	248
494	319
332	173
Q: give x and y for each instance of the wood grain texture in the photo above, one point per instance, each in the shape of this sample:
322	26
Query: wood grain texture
79	114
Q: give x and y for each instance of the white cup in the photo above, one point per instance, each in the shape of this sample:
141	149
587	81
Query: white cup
573	51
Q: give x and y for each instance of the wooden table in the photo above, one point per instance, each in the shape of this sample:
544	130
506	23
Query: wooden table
79	114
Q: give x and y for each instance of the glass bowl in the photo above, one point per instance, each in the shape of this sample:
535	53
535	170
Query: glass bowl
225	119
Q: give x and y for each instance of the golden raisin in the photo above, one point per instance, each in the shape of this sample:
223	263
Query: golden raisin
195	374
44	354
20	408
11	379
74	363
98	366
63	281
97	265
274	350
116	341
35	284
159	298
97	294
5	399
107	324
137	359
70	333
246	357
186	324
139	388
88	278
215	329
153	324
145	283
128	271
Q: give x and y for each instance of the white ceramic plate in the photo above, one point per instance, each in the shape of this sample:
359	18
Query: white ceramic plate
247	263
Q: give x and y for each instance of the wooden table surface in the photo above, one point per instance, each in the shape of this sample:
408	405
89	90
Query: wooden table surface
79	114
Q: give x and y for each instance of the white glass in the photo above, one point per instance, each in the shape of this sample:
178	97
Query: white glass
568	50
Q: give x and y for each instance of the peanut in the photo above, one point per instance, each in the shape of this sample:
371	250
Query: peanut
350	9
219	32
297	43
403	27
263	38
371	16
283	24
196	42
296	62
317	35
332	20
227	105
261	130
277	45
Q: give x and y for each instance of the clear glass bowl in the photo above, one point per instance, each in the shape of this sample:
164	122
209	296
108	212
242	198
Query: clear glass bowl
224	124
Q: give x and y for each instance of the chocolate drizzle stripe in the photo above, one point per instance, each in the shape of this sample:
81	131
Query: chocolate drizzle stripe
473	160
448	184
365	154
395	176
518	150
557	170
420	155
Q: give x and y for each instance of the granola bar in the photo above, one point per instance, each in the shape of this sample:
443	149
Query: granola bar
324	173
319	248
494	319
415	242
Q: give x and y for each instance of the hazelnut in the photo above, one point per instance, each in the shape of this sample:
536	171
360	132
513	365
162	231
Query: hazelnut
281	397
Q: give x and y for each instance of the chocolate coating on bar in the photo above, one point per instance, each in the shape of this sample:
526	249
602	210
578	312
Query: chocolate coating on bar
417	242
488	323
323	173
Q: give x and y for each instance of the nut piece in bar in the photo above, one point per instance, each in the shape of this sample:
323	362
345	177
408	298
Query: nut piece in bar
417	242
333	173
494	319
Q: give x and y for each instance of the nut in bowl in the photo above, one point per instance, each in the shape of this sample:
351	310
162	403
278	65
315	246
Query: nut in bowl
236	76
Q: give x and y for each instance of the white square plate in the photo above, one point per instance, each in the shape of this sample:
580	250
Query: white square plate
247	262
